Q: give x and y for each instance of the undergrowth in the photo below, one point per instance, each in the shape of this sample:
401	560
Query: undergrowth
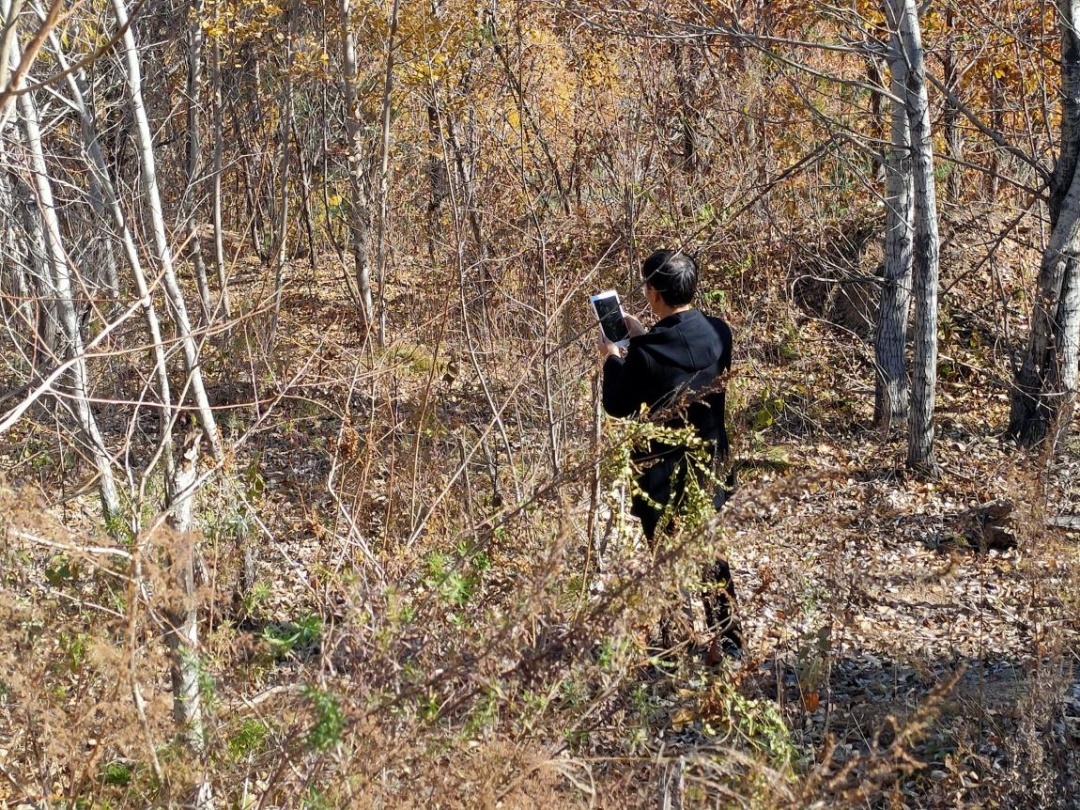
435	611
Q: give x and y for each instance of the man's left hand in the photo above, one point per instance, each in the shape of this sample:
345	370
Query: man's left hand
607	349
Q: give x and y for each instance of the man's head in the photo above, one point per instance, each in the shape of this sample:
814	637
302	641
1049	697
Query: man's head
673	275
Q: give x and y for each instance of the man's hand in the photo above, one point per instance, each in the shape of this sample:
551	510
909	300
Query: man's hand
633	325
606	348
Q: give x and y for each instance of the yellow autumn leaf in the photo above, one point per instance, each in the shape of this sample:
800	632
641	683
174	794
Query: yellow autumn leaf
682	718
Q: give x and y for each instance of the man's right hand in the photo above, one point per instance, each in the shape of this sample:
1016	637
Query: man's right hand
633	325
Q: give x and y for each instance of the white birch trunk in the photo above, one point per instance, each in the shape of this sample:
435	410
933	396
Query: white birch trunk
9	53
1045	384
100	172
193	191
181	633
182	625
58	266
891	380
926	246
219	147
145	149
1067	338
384	170
279	253
359	176
1040	382
182	615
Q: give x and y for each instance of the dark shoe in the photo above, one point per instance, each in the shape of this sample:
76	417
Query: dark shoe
721	497
723	648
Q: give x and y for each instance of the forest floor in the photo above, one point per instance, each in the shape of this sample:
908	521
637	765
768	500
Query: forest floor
431	622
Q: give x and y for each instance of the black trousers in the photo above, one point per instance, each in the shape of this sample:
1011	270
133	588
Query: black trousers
717	588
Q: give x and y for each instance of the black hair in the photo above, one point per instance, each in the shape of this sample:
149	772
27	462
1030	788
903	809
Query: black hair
673	274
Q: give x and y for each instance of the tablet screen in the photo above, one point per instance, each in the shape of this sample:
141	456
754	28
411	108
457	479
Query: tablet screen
609	312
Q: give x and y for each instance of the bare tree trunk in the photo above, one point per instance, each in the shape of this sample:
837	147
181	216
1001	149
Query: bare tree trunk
304	165
438	180
891	380
464	151
102	256
8	58
926	247
157	224
1045	384
182	615
182	626
998	103
359	207
954	134
1067	337
382	223
193	191
60	281
99	170
39	326
16	298
687	65
248	163
1040	390
219	137
280	252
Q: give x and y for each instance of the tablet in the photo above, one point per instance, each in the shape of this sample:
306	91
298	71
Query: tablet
609	313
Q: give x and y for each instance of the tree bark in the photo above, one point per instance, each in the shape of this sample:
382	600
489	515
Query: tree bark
926	247
383	222
249	160
59	280
37	323
219	146
193	191
1045	384
954	134
891	379
99	171
279	253
359	207
157	223
687	57
182	615
1067	337
182	625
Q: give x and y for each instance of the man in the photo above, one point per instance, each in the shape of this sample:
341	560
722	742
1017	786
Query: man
672	370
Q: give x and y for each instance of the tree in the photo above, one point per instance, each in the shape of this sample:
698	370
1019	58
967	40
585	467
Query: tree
56	277
1045	384
360	167
904	22
193	194
181	619
891	389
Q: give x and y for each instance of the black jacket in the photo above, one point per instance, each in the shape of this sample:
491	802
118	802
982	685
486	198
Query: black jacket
670	369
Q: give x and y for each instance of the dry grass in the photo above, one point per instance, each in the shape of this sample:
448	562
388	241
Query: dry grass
431	623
